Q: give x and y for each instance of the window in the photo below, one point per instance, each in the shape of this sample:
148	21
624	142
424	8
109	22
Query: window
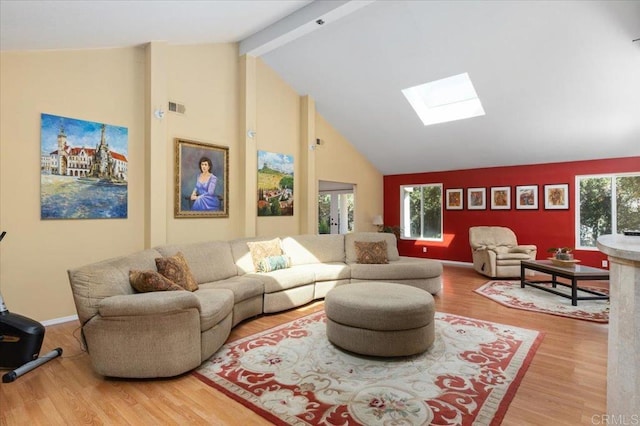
421	212
607	204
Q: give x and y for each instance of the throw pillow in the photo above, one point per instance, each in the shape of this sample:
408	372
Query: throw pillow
145	281
273	263
177	270
261	249
371	252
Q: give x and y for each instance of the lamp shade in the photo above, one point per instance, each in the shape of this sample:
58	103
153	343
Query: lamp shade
377	220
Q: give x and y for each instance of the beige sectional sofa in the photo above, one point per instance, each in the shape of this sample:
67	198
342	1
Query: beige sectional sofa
166	333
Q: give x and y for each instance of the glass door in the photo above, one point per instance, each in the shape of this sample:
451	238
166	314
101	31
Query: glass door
336	205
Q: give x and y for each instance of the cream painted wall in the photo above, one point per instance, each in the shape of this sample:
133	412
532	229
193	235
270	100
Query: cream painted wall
338	161
112	86
96	85
205	79
277	130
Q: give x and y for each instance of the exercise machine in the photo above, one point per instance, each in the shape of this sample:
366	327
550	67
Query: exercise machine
20	342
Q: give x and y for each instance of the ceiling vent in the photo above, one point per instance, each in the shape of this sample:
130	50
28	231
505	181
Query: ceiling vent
176	107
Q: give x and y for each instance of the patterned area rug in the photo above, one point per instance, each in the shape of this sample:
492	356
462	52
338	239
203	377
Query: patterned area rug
509	293
292	375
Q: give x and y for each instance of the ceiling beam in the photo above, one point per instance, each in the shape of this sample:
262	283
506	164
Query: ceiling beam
299	23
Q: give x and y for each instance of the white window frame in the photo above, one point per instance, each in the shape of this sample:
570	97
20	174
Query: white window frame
614	212
405	212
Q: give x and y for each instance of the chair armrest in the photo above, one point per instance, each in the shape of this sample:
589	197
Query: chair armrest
523	248
159	302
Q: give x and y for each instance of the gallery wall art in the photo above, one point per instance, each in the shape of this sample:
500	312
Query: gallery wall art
455	200
83	169
275	184
500	198
201	180
556	197
527	197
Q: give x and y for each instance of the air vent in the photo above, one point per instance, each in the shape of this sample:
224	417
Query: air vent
176	107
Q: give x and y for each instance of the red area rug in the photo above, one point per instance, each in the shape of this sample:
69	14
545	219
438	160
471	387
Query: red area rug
292	375
509	293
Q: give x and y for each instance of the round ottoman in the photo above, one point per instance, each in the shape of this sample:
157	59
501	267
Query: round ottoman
380	319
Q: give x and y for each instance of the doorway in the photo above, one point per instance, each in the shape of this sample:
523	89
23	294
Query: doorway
336	207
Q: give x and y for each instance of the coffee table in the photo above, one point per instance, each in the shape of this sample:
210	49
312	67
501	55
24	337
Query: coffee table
573	273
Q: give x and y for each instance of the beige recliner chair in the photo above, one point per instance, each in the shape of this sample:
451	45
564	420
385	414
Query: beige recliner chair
496	252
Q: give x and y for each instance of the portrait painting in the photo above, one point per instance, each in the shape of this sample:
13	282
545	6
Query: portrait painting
501	198
527	197
275	184
201	180
476	198
83	169
454	199
556	197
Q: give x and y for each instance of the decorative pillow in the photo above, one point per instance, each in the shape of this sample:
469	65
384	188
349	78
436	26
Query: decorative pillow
177	270
145	281
371	252
273	263
261	249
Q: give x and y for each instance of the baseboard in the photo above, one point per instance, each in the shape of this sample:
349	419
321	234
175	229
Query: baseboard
59	320
456	263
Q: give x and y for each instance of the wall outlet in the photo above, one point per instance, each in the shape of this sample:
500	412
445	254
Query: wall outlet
605	263
424	249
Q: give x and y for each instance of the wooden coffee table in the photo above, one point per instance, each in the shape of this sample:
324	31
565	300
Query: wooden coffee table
573	273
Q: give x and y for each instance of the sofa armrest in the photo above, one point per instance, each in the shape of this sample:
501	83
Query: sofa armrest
158	302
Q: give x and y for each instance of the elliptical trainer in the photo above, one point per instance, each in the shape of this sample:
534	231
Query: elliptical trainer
20	342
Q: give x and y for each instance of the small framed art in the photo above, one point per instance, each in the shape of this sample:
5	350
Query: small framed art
501	198
455	200
476	198
527	197
556	197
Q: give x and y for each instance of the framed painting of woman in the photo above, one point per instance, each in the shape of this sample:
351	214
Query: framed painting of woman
201	180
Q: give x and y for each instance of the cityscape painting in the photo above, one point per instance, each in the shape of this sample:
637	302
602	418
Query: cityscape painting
275	184
83	169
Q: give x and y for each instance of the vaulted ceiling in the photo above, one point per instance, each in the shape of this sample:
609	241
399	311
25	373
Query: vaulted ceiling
558	80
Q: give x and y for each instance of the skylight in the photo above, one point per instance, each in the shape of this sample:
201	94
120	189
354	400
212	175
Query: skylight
452	98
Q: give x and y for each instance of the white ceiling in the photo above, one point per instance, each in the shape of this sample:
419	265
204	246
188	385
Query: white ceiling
559	80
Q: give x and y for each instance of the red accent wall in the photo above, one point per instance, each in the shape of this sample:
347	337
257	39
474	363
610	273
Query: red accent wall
544	228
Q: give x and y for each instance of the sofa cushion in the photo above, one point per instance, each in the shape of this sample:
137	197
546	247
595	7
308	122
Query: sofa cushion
403	269
208	261
314	249
215	305
332	271
177	270
243	287
145	281
261	249
371	252
284	279
350	248
273	263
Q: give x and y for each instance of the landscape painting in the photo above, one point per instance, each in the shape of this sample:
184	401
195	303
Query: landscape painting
83	169
275	184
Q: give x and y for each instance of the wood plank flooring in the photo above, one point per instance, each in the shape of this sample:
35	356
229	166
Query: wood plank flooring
565	384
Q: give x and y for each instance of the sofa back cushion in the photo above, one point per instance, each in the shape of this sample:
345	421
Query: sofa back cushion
94	282
208	261
350	247
491	236
306	249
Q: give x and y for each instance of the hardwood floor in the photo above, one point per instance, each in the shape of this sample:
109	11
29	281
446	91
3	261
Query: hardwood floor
565	384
